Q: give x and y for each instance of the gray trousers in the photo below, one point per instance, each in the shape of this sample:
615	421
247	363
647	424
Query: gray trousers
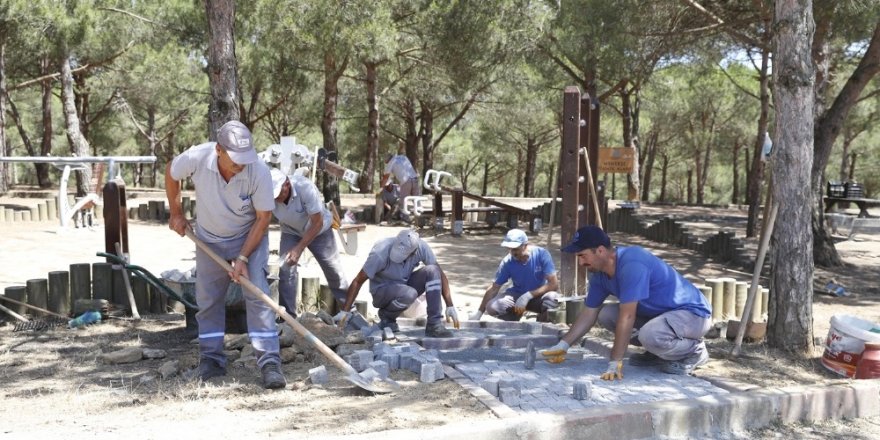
323	247
212	281
672	336
501	306
392	299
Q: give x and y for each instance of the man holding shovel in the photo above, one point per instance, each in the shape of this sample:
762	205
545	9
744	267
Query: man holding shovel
658	308
234	193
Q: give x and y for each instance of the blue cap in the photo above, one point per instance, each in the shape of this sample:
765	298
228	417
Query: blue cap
588	237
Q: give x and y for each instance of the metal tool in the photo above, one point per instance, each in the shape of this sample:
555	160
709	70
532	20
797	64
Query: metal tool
376	386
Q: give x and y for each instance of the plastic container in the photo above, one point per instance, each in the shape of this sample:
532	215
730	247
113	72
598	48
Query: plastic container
846	342
869	363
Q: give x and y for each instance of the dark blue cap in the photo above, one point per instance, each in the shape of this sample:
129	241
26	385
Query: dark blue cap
588	237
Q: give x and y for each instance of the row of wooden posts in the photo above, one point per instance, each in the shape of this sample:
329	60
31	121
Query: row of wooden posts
46	211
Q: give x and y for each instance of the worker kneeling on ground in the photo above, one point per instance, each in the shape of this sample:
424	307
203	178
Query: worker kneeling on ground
659	309
531	270
395	283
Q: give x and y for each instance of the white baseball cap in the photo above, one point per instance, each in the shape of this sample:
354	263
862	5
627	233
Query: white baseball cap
278	179
515	238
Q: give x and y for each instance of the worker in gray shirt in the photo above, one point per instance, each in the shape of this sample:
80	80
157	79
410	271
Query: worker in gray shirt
390	197
395	283
400	167
305	223
234	191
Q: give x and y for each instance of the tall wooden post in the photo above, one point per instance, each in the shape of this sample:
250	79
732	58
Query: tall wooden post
569	176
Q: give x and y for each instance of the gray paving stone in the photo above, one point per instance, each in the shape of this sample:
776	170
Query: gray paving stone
318	375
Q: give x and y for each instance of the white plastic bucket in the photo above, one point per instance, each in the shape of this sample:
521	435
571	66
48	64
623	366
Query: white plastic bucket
846	341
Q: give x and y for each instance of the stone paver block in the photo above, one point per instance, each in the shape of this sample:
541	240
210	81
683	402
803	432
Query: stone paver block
530	356
360	358
582	390
428	373
391	359
491	385
380	367
406	360
521	341
510	396
455	343
535	328
318	375
387	334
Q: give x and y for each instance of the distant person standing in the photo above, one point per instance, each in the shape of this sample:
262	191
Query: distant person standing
400	167
234	190
305	223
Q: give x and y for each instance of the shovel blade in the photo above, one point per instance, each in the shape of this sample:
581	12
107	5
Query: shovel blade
379	386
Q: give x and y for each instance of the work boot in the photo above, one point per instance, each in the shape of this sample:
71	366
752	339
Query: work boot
687	365
273	378
437	331
389	324
209	369
646	359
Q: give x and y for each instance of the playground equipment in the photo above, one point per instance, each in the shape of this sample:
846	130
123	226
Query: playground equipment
431	182
292	158
68	164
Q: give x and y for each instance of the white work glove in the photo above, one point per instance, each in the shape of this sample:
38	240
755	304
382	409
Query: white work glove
556	353
614	371
505	302
476	316
341	318
452	314
521	302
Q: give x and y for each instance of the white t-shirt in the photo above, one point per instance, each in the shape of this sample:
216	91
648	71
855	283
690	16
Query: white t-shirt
401	168
224	210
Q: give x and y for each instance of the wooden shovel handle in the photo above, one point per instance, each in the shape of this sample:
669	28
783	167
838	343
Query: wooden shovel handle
249	287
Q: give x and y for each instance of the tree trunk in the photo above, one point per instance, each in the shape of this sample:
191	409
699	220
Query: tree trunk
690	185
485	187
81	100
48	131
664	172
79	146
4	174
626	111
651	156
791	284
427	136
531	167
372	152
734	195
411	141
756	175
222	74
332	72
827	128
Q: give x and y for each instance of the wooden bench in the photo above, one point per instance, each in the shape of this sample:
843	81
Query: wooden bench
862	203
347	232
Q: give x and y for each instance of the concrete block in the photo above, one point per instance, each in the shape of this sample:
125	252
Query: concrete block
530	356
374	339
431	354
387	334
416	363
382	348
428	373
455	343
391	359
318	375
582	390
491	385
380	367
371	330
360	359
534	328
509	396
406	360
510	383
521	341
356	322
370	375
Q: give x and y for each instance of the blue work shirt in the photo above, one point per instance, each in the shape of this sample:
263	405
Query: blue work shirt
643	277
526	276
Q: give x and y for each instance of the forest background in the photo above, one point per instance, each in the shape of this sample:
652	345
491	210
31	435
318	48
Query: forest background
472	88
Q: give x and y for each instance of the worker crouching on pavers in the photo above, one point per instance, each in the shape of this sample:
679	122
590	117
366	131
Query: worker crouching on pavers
234	193
305	223
395	283
534	280
658	309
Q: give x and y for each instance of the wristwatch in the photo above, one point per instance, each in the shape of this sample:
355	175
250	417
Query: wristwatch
242	258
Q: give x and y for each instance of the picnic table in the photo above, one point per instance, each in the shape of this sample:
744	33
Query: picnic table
862	203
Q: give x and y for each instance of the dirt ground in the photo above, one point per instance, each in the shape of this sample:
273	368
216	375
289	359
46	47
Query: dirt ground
54	382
